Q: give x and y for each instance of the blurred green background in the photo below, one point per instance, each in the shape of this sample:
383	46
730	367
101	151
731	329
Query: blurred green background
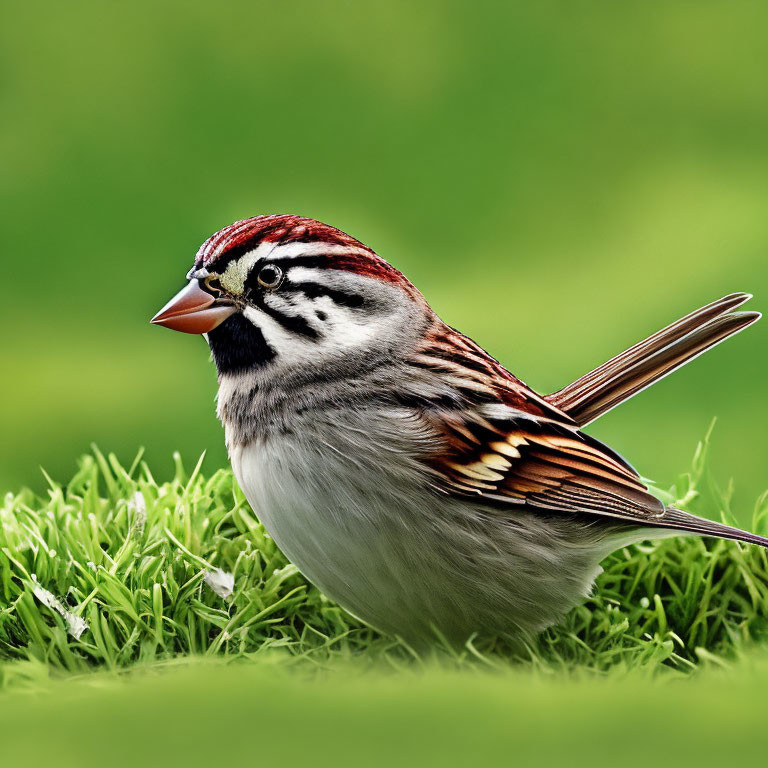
560	179
255	715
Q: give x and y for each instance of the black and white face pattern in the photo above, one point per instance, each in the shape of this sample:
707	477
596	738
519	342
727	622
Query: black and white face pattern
296	310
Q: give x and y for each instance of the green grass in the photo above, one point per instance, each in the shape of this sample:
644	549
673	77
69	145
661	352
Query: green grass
110	572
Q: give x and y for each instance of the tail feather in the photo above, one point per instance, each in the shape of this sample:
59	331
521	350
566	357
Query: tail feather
646	362
677	520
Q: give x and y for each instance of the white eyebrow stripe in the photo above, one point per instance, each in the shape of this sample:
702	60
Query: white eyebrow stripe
294	250
314	274
237	271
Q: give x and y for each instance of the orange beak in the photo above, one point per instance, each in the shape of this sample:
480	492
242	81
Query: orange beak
192	310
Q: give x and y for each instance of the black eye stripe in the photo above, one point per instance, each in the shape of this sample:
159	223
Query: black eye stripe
314	290
293	323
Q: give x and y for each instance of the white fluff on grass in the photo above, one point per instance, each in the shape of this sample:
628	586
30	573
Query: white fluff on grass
221	582
76	625
138	504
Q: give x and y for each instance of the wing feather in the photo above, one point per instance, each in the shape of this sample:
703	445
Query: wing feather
507	446
542	464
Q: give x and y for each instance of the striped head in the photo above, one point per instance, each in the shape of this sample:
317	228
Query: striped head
285	291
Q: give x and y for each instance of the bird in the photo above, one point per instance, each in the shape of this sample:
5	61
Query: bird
406	472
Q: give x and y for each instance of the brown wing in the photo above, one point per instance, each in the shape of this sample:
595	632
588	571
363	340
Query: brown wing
540	464
507	445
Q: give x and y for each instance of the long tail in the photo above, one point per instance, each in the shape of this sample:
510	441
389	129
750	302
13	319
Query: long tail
677	520
651	359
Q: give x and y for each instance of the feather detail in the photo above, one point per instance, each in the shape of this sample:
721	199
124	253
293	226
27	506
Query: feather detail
635	369
539	463
511	445
506	446
477	470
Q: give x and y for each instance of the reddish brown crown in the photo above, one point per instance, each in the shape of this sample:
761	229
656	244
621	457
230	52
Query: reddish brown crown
237	239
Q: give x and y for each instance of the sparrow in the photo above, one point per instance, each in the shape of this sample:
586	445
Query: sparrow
406	472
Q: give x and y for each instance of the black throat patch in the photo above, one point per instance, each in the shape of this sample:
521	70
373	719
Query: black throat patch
238	345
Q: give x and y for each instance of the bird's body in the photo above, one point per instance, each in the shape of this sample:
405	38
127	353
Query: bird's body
404	559
406	472
346	497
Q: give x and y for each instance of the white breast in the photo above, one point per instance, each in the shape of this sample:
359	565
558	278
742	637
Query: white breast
364	527
333	520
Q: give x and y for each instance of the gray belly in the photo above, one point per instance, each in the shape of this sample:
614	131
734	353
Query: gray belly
405	559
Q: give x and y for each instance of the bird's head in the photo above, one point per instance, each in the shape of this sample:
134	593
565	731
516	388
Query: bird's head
287	291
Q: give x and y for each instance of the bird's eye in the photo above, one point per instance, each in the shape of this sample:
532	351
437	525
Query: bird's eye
270	276
212	284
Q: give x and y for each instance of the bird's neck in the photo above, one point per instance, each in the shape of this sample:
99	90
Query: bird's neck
267	402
